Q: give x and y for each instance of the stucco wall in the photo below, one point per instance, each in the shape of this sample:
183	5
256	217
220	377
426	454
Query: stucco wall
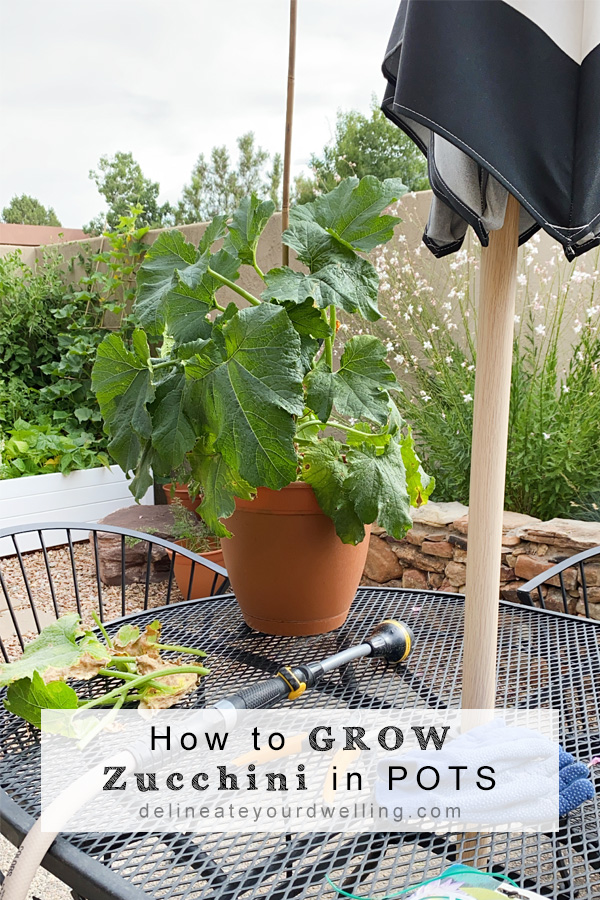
414	210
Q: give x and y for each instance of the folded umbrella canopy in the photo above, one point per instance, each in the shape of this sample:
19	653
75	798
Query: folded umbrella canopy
503	97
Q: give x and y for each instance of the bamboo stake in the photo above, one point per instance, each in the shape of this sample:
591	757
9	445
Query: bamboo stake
289	116
495	328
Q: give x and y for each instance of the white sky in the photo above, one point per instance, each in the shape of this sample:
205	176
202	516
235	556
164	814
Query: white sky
167	79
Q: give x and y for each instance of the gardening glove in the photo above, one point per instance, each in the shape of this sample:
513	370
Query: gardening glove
575	786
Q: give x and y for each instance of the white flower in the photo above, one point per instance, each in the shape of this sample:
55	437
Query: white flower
447	306
577	326
470	368
540	329
565	389
426	345
451	325
522	279
546	436
399	359
517	320
592	310
467	398
344	326
389	346
449	360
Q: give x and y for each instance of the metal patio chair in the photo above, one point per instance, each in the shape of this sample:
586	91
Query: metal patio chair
531	593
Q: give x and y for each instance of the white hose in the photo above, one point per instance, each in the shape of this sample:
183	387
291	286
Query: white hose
35	845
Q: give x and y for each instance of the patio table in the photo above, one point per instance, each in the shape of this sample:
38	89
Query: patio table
546	659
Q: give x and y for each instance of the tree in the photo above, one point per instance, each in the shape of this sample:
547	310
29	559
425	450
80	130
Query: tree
26	210
217	187
364	145
123	185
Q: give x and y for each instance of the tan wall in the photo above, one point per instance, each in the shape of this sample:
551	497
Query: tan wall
413	209
269	253
27	253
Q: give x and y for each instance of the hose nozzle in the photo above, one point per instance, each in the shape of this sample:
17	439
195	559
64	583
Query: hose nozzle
391	640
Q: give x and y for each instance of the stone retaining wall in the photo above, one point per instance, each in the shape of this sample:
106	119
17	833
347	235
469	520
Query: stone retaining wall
434	554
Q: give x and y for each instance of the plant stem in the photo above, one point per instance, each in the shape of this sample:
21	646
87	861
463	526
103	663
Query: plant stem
335	424
166	362
114	673
103	631
257	268
234	287
137	681
329	340
179	649
307	424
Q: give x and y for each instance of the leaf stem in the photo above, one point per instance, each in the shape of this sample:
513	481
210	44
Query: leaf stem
329	340
257	268
166	362
234	287
365	434
115	673
103	630
139	680
178	649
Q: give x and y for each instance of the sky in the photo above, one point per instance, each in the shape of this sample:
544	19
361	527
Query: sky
168	79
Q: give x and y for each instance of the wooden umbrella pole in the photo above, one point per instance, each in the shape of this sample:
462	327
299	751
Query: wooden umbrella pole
495	329
289	117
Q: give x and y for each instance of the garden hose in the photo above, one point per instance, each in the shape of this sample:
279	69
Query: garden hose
391	640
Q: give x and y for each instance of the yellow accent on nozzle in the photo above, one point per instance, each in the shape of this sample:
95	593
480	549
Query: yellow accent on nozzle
296	687
407	639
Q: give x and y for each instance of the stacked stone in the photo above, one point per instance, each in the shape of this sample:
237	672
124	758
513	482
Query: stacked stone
433	555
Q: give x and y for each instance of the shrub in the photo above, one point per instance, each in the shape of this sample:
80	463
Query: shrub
37	449
553	466
49	331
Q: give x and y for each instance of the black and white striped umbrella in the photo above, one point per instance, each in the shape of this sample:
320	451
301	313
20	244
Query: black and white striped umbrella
503	97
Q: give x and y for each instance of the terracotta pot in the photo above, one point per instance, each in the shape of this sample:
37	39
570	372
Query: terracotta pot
289	570
180	492
203	578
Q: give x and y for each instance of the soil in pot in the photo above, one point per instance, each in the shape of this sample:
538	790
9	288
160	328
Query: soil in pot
180	492
291	573
203	578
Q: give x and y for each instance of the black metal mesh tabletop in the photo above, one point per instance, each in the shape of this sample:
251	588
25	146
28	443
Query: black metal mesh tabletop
545	660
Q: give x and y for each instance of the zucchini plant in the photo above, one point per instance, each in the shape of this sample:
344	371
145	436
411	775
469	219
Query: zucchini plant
249	396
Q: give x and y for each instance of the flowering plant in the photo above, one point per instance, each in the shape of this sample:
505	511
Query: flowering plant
553	466
242	397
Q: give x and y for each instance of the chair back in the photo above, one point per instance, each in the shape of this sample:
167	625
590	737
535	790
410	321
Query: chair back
569	577
76	567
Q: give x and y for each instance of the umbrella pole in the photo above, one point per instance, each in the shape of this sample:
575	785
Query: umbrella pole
495	329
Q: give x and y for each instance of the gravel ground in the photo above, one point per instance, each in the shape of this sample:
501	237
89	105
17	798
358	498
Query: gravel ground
46	886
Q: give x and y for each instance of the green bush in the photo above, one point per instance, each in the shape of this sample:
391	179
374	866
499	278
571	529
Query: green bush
49	331
553	466
38	449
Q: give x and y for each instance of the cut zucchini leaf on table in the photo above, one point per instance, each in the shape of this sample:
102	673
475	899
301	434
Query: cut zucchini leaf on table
66	650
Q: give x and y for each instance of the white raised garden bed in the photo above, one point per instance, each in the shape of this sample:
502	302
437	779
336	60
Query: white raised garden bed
84	496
